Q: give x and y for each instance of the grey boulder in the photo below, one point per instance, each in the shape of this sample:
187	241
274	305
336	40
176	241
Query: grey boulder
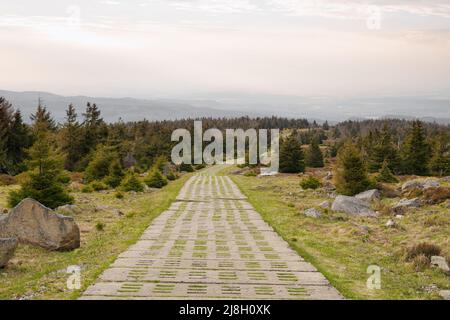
352	206
31	222
369	196
440	262
407	203
7	248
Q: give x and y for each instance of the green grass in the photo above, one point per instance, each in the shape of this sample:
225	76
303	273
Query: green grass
341	249
34	273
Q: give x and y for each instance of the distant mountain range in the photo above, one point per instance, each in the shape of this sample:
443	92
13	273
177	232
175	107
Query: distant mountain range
431	109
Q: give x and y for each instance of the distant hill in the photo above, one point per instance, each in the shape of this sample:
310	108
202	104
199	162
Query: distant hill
128	109
430	109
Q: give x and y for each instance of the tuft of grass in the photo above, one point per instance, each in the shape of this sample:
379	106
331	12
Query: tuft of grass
424	248
420	262
100	226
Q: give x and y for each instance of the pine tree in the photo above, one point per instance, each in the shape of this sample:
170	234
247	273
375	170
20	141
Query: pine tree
440	160
350	172
155	179
326	126
416	151
314	156
71	139
291	156
385	174
44	184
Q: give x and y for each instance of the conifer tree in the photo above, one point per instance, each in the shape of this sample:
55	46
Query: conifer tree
155	179
385	174
131	182
71	139
416	151
291	156
42	119
45	169
314	156
440	160
350	173
116	174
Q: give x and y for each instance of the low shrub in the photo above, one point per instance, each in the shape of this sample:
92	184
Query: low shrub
131	183
186	168
7	180
119	195
436	195
100	226
310	183
98	186
87	189
423	248
171	176
155	179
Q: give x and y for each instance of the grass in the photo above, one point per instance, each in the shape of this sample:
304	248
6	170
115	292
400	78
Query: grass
343	248
34	273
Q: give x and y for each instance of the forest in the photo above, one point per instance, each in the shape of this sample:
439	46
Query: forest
43	156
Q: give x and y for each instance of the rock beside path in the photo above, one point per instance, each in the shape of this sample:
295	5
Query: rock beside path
420	184
31	222
7	248
352	206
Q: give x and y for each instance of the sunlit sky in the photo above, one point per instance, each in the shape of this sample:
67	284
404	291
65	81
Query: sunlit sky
186	48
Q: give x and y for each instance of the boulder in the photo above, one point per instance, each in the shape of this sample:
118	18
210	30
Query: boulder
420	184
369	196
440	262
352	206
445	294
312	213
407	203
31	222
7	248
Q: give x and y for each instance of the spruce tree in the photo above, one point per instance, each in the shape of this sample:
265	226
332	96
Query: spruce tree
440	160
71	139
155	179
385	174
42	119
291	156
45	169
116	174
383	149
350	173
314	156
5	123
131	182
416	151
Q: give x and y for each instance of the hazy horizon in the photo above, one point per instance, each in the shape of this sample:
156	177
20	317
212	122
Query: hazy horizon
200	49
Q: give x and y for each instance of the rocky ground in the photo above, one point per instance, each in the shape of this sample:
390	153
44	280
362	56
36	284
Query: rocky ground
403	228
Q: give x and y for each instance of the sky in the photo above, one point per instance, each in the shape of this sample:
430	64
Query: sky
198	48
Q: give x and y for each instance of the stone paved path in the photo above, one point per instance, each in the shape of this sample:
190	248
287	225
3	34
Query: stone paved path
210	244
